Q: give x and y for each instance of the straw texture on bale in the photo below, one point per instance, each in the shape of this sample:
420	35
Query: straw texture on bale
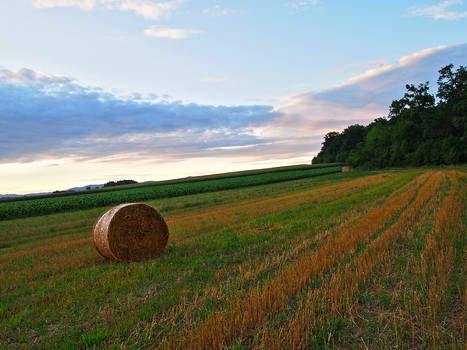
130	232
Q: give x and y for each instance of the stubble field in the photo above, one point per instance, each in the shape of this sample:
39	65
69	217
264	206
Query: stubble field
357	260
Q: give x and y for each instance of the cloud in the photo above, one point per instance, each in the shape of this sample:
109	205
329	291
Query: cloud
361	98
438	11
219	11
298	4
354	68
81	4
214	79
54	117
153	10
157	31
149	9
420	65
51	117
29	76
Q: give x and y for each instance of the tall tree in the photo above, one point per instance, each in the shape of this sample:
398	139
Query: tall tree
417	130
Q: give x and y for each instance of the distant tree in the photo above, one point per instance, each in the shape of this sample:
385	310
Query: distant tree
120	182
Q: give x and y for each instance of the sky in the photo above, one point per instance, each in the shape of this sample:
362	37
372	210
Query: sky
100	90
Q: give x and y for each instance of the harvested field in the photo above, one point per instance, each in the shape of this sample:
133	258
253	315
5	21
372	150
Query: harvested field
350	260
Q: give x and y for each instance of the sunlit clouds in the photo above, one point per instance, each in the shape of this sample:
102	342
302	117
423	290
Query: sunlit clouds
443	10
157	31
56	120
154	10
147	9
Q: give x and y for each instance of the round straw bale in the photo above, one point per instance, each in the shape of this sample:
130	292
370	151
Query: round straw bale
130	232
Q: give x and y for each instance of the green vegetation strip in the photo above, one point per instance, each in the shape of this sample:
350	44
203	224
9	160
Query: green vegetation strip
12	210
172	181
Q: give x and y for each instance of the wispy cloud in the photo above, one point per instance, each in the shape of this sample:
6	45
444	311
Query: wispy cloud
219	11
149	9
214	79
438	11
355	68
157	31
81	4
153	10
299	4
29	76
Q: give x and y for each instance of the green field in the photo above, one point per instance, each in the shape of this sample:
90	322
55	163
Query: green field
25	207
281	259
173	181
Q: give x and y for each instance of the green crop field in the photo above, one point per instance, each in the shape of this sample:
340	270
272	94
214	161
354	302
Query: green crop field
298	258
24	206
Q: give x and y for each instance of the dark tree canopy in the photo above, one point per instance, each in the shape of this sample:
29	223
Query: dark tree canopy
419	130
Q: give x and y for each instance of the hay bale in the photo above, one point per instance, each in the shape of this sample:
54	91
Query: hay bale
130	232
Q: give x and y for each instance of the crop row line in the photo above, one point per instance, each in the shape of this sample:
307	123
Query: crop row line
221	327
296	247
336	295
437	263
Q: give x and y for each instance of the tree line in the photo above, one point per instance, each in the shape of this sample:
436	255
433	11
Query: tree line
120	183
420	129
